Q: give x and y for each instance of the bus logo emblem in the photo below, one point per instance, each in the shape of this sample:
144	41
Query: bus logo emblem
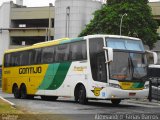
97	91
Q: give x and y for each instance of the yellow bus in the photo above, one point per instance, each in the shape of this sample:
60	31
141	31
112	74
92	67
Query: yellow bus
108	67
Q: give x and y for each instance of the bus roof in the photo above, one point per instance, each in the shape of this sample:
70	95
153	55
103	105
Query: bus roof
111	36
45	44
66	40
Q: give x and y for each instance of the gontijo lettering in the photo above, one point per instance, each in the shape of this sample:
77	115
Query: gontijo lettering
30	70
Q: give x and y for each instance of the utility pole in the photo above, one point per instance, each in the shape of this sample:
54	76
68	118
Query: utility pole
125	14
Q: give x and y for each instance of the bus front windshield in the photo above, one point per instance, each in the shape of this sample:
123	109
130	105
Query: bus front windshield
128	66
129	62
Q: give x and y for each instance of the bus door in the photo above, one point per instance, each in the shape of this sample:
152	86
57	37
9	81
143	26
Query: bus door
101	67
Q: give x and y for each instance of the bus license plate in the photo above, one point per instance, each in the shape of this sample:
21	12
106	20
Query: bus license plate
132	94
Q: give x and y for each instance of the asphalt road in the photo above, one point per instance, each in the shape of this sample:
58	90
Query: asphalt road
68	108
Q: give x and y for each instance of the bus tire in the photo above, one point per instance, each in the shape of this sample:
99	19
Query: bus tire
23	91
16	92
76	93
115	101
82	95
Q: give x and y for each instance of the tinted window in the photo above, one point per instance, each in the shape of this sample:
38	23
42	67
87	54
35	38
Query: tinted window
29	57
32	54
37	59
15	59
48	55
7	60
24	58
97	59
62	53
78	50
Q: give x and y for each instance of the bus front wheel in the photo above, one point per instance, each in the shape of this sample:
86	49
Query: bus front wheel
82	95
16	92
115	101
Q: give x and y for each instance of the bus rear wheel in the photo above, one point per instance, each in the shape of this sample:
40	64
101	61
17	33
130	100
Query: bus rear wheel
82	95
23	92
16	92
115	101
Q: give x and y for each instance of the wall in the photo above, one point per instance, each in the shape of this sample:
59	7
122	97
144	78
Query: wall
4	23
32	13
155	6
79	14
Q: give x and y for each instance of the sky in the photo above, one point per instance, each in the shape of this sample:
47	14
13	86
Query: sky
34	3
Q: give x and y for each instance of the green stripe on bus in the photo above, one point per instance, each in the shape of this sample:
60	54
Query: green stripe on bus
138	85
49	76
55	76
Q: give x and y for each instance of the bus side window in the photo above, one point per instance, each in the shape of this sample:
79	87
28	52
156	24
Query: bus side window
74	48
38	53
32	54
7	60
78	50
15	59
62	53
24	58
84	50
48	54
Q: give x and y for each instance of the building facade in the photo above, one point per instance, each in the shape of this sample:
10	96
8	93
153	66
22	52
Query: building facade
156	13
21	26
71	16
31	25
4	23
155	6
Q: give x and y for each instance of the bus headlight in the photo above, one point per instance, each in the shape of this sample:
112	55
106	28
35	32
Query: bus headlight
146	86
114	85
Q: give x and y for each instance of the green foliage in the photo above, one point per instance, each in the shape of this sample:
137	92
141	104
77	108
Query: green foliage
138	21
112	2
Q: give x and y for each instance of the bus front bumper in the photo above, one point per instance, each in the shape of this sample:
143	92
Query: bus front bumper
117	93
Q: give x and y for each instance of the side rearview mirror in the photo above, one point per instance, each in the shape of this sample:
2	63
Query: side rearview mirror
152	57
109	54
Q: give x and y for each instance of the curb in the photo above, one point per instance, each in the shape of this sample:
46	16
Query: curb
12	104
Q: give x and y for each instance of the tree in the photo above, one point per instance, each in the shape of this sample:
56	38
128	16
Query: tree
138	21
